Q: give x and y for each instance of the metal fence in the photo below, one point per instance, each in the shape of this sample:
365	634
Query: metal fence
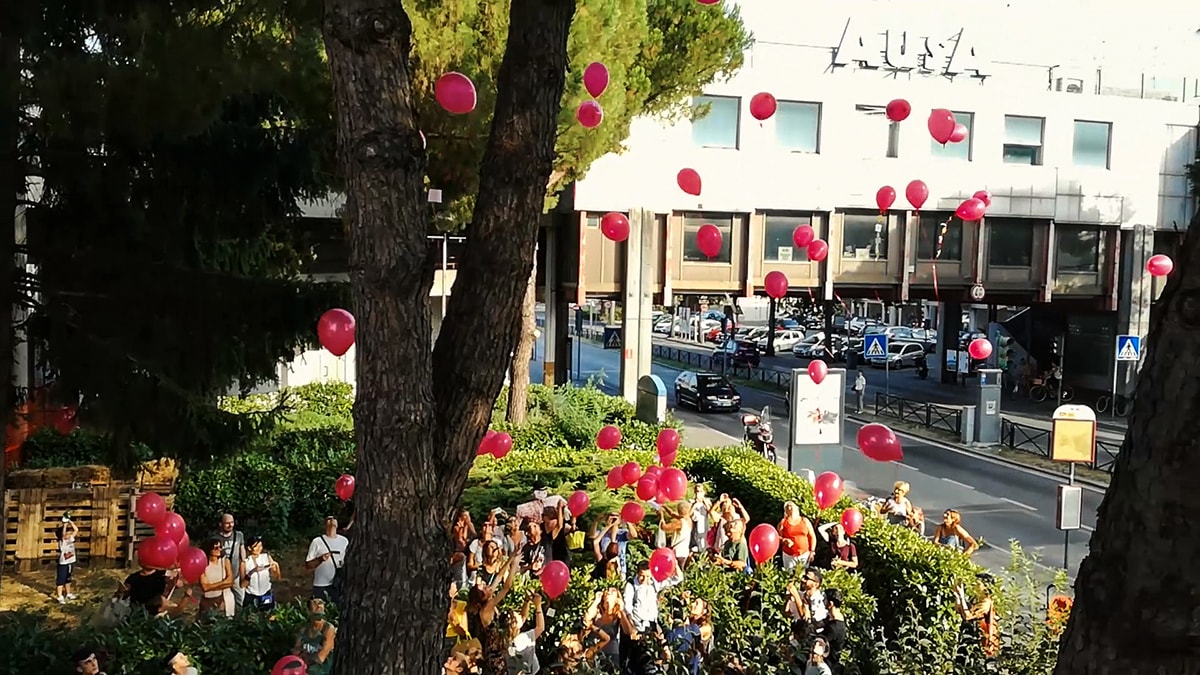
781	379
928	415
1036	441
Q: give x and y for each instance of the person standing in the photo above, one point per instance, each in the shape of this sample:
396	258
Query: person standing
326	556
217	583
65	534
255	575
798	538
860	390
701	519
233	546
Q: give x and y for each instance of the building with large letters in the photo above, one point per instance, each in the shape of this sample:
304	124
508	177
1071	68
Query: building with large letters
1083	143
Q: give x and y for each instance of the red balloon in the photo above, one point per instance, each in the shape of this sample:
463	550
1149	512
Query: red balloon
290	665
879	443
708	240
335	330
653	472
151	508
708	2
608	437
595	78
662	564
672	484
898	110
941	125
817	250
501	444
776	284
818	370
632	512
578	503
555	578
615	478
455	92
192	562
1159	265
980	348
971	209
344	487
184	543
667	441
172	527
689	181
959	134
762	106
667	458
916	193
615	226
485	443
852	520
885	197
984	196
647	488
631	472
764	543
589	114
158	552
803	235
827	489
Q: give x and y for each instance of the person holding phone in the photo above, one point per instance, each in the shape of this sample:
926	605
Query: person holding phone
326	556
65	534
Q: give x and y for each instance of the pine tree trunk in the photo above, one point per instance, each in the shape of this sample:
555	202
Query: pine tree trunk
419	414
12	178
518	380
1135	611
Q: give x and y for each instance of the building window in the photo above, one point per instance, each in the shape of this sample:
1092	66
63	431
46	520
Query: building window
864	237
1010	242
691	225
1023	139
931	228
1077	250
777	239
874	131
798	126
593	220
957	150
1091	146
716	121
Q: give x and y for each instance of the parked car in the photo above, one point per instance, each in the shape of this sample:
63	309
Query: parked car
706	391
900	355
785	340
737	353
804	348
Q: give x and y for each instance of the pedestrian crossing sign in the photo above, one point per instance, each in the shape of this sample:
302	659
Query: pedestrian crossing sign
1129	348
875	346
612	337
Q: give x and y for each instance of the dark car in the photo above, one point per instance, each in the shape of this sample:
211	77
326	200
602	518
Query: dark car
705	392
738	353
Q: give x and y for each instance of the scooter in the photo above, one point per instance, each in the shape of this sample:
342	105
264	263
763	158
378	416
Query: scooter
757	432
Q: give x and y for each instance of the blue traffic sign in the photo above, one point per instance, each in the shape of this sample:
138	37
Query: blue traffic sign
875	346
612	337
1129	348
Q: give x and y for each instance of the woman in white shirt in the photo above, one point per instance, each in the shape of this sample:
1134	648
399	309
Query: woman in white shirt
257	571
701	519
896	508
522	649
217	583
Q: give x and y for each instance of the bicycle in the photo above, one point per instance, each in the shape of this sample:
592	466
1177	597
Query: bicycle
1119	406
1043	390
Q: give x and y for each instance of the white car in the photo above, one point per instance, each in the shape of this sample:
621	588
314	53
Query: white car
785	340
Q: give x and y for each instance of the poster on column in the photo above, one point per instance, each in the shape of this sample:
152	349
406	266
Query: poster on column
817	408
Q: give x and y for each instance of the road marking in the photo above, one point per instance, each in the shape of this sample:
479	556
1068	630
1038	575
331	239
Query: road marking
910	468
1017	503
961	485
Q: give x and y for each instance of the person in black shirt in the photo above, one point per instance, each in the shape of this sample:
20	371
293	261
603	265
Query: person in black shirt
537	550
145	588
556	527
834	630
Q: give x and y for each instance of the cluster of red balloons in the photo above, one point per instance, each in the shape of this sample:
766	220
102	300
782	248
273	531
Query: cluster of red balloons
615	226
595	80
805	237
944	128
495	443
335	330
763	106
1159	265
975	207
344	486
170	544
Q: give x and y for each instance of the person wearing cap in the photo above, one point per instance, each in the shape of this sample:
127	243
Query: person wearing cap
258	569
179	664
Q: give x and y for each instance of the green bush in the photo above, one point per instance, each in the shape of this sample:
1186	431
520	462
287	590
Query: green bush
48	448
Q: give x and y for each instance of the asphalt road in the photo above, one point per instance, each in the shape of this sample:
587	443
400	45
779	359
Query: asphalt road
998	501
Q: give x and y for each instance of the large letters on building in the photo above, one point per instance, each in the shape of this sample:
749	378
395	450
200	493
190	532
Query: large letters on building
907	51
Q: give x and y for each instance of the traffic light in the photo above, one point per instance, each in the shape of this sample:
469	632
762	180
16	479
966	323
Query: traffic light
1056	350
1004	351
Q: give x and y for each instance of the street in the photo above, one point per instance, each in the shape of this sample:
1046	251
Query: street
998	501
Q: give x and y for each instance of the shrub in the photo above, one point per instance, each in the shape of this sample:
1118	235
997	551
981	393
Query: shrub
48	448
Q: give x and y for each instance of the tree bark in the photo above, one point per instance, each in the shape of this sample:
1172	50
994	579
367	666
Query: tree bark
518	381
419	414
1136	603
12	179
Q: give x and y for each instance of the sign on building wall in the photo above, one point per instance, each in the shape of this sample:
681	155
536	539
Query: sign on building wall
901	50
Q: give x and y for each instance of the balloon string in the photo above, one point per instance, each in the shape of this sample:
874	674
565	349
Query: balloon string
936	296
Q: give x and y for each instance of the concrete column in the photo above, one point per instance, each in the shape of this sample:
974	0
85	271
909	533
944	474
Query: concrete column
949	324
1133	305
638	289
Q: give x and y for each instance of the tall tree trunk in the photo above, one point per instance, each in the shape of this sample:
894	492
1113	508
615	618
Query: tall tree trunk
1136	593
12	179
420	414
518	380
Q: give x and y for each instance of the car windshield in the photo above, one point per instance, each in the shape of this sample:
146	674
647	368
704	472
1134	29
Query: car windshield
812	340
715	384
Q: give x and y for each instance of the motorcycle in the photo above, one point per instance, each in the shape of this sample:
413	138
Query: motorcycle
922	367
758	433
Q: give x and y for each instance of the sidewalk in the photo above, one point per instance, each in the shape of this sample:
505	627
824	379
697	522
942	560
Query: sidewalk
905	384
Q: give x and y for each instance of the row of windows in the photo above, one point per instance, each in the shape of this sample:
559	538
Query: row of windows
1010	240
798	129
